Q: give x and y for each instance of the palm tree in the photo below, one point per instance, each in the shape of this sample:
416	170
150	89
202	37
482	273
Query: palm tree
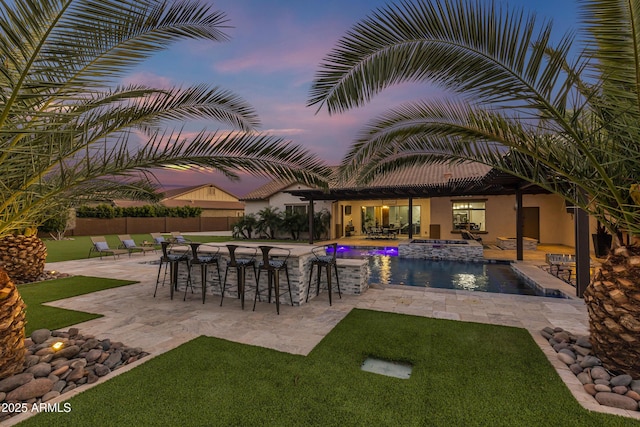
70	134
567	116
269	220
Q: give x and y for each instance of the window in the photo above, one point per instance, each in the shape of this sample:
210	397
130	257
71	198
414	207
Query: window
469	215
301	209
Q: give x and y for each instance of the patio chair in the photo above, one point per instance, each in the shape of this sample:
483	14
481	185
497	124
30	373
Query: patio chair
101	247
323	260
126	242
561	263
240	263
172	260
274	260
204	259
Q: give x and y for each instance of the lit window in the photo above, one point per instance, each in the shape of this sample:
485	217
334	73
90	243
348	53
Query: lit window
469	215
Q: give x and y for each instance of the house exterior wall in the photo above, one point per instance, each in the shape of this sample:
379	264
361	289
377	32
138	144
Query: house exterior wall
210	193
556	225
281	199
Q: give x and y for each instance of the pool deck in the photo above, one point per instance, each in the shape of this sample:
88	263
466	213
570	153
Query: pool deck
133	316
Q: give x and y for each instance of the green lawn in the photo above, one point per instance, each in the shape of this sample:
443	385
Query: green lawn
41	316
464	374
78	248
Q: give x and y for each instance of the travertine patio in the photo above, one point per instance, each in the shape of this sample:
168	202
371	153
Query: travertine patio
132	315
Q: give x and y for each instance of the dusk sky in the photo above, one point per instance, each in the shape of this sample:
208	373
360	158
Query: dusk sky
274	50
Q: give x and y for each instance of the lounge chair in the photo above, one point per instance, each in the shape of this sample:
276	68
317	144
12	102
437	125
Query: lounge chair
158	238
101	246
126	242
177	237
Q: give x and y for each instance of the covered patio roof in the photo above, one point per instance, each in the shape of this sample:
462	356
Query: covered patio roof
491	184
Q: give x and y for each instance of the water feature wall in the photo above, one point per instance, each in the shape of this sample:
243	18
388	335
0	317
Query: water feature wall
454	250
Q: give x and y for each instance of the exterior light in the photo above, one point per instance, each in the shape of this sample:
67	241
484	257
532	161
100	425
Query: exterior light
57	345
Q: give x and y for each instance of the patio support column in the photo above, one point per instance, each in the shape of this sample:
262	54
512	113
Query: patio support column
519	226
311	214
410	217
583	260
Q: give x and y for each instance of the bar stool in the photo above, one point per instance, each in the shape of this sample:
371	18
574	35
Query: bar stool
204	260
321	259
273	265
240	264
172	260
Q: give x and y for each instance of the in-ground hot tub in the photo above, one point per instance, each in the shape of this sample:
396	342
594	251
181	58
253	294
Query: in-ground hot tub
458	250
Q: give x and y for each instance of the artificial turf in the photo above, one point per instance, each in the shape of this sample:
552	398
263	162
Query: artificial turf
464	374
40	316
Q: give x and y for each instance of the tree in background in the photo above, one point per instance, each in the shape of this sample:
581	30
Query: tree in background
568	116
69	132
268	221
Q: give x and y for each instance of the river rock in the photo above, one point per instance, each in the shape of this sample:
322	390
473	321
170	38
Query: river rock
73	332
41	335
601	381
576	368
31	360
67	352
59	385
602	387
624	380
620	389
561	336
113	359
101	370
634	395
617	401
567	359
15	381
635	386
78	363
90	343
590	361
591	389
50	395
76	374
583	341
584	378
582	351
40	370
36	388
93	355
61	370
598	372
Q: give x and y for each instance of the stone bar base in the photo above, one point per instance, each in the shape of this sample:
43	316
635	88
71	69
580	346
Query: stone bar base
353	275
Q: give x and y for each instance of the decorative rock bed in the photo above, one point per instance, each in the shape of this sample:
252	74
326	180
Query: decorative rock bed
48	373
618	391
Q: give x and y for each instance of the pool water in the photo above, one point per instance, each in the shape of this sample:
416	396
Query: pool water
388	269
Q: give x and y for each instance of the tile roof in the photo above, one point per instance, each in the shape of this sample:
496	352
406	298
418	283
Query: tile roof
413	176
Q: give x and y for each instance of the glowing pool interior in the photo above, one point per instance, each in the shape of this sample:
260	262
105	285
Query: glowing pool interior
387	268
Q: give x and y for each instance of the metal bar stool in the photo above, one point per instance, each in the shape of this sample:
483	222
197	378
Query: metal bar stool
204	260
240	264
173	260
322	259
273	264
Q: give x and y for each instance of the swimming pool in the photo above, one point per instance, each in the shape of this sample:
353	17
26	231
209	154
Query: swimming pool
388	269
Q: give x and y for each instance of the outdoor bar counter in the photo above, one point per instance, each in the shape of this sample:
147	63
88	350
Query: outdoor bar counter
353	273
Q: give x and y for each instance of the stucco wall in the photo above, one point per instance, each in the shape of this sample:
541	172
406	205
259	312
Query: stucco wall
556	226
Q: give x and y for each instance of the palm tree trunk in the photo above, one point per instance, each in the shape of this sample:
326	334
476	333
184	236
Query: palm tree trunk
613	302
23	257
12	321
